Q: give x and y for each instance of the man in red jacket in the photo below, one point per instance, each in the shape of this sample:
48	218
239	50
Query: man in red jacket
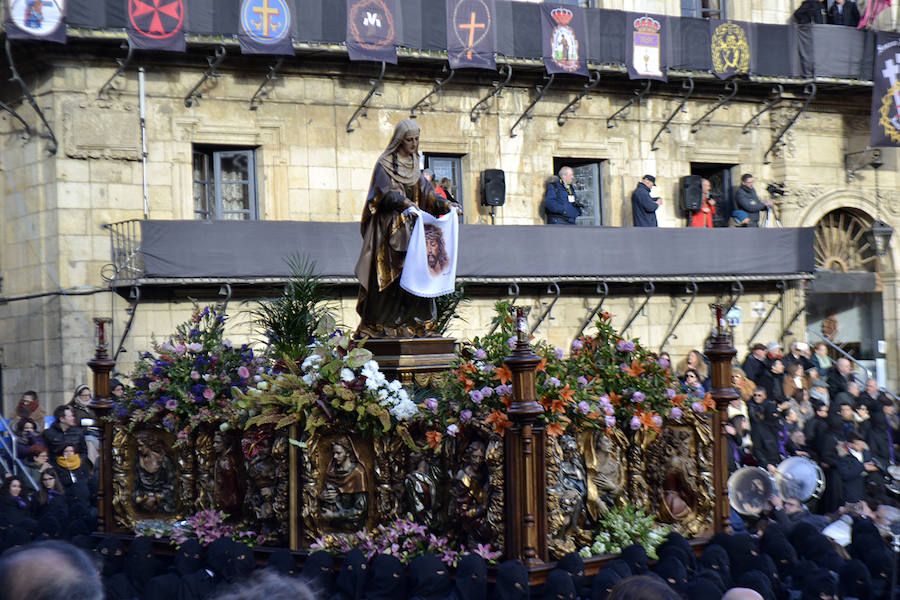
704	216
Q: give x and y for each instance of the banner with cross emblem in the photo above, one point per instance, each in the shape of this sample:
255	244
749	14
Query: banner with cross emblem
470	34
156	24
885	125
265	27
730	48
646	47
36	20
372	30
564	39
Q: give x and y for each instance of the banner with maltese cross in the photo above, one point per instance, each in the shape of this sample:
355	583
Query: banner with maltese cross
372	30
36	20
156	24
265	27
564	39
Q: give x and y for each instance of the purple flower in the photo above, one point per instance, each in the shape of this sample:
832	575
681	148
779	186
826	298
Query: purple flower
480	354
663	363
243	372
452	430
195	347
635	423
511	342
584	407
697	407
476	396
172	404
577	345
657	421
179	349
502	390
487	391
195	375
465	415
623	366
637	397
431	404
625	346
559	353
610	421
670	393
554	382
582	380
487	368
675	413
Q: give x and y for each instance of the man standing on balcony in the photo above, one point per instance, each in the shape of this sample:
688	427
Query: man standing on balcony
746	200
643	205
560	202
844	12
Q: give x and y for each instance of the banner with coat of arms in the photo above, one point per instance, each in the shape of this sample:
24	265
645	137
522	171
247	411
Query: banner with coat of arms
885	127
730	48
646	51
470	34
156	24
36	20
265	27
564	47
372	30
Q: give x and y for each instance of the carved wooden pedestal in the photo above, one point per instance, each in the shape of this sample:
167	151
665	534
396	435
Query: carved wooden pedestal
412	360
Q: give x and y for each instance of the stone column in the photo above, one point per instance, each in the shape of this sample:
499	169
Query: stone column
720	352
102	365
525	459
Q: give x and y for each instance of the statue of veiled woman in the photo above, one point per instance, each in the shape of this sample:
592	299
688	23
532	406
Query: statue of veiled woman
344	500
154	475
386	310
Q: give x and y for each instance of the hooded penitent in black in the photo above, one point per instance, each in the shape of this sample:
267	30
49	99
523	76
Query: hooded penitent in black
471	578
187	561
386	580
855	580
243	562
512	581
559	586
352	577
673	572
715	557
756	580
202	583
701	588
620	566
318	573
635	556
429	579
112	553
603	583
282	562
818	584
574	565
140	568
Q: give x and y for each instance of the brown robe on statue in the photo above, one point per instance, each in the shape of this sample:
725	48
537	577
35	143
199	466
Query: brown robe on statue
385	309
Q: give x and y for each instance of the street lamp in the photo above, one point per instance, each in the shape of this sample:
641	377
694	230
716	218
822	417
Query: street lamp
879	237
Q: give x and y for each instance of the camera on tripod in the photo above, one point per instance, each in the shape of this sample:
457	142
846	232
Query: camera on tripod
775	189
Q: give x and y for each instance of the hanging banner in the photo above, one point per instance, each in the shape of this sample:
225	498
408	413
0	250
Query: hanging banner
885	127
730	48
372	31
564	47
36	20
646	53
156	24
429	269
470	34
265	27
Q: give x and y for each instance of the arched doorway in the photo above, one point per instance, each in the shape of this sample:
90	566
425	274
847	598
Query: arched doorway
844	301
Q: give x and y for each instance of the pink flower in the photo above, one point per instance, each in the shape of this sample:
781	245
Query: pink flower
195	375
243	372
172	404
195	347
209	394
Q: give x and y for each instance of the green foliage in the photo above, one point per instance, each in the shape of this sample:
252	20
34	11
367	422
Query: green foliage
623	526
292	320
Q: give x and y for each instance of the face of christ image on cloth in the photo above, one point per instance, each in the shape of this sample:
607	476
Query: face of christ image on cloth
438	260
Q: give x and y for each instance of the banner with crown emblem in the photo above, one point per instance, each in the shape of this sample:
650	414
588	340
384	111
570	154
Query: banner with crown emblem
156	24
647	56
36	20
885	127
372	30
730	48
470	34
265	27
565	44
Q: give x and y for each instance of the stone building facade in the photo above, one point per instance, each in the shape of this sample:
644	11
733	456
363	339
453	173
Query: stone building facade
308	167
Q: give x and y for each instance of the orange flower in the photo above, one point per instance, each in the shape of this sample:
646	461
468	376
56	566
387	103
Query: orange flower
605	316
614	398
507	400
503	374
542	366
468	367
557	406
678	400
555	429
709	402
635	369
567	393
433	438
500	420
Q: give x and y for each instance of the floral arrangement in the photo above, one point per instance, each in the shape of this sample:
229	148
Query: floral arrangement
206	526
404	539
188	379
623	526
153	528
337	383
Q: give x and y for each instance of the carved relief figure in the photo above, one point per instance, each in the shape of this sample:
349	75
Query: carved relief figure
422	498
604	474
260	495
469	493
344	501
571	488
154	476
230	475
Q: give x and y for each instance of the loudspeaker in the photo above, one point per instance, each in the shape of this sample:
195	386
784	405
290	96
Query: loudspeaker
493	187
692	193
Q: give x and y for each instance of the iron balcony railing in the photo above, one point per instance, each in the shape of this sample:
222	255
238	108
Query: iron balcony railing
125	248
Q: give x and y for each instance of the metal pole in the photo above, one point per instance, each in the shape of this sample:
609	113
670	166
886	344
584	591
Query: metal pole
144	154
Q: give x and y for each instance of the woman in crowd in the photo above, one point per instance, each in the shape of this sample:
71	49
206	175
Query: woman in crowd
73	475
796	391
691	382
29	407
820	358
37	462
50	498
87	420
694	360
27	435
14	500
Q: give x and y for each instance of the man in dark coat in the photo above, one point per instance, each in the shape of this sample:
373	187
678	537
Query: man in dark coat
810	11
64	432
745	199
755	363
854	464
839	376
763	431
643	206
844	12
560	202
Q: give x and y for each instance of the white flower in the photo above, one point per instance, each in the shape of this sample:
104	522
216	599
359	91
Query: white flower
347	375
372	384
310	378
370	369
405	410
311	362
395	386
403	395
207	377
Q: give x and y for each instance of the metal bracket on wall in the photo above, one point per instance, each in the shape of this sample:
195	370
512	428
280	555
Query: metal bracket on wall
691	289
135	296
622	112
603	290
687	85
123	63
810	90
481	106
225	290
437	89
731	90
767	106
360	111
541	91
856	161
10	110
737	290
649	290
262	91
511	290
54	145
593	80
781	286
211	73
553	288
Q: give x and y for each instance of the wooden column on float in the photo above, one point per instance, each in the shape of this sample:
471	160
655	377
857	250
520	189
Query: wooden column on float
720	352
525	458
102	365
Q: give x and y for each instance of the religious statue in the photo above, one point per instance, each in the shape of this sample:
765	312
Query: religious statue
422	497
385	309
344	500
469	494
261	476
604	474
230	475
154	475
